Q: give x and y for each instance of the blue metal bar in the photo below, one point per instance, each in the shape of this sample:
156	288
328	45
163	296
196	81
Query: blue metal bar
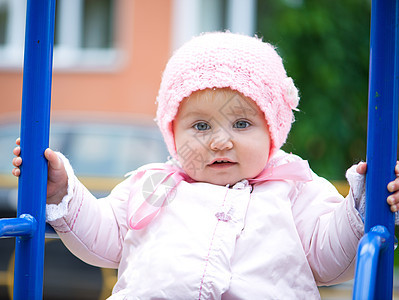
25	225
370	248
382	136
35	122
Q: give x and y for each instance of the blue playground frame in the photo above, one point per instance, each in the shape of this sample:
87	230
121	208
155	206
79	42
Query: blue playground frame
374	267
29	226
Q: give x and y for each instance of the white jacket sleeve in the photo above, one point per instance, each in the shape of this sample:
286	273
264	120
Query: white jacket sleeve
330	228
92	229
358	190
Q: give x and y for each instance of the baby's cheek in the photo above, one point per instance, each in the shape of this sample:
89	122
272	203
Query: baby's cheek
192	170
259	162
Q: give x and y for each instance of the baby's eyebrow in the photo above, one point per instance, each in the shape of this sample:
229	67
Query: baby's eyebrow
238	108
194	115
239	111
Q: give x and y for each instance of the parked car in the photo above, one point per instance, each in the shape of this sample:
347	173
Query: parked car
101	153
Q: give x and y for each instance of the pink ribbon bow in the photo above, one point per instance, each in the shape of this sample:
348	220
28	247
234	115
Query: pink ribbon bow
153	202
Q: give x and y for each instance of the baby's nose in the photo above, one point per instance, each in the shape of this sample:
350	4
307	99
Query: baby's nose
221	140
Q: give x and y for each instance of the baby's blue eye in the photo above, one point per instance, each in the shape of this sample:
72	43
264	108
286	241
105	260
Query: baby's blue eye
201	126
241	124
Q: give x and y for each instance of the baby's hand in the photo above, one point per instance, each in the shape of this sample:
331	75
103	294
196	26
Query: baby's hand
393	186
57	181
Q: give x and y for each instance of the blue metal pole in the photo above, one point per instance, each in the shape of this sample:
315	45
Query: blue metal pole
382	136
370	247
25	225
35	121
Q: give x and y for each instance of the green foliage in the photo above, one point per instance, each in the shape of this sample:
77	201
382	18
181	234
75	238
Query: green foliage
325	48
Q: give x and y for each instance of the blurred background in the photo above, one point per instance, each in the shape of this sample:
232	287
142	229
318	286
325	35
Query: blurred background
108	60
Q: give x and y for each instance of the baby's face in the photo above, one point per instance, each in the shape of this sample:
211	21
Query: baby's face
221	137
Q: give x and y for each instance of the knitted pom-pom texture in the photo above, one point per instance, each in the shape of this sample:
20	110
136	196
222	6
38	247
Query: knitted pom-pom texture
227	60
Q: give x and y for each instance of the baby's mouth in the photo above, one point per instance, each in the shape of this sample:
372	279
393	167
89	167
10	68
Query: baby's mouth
221	163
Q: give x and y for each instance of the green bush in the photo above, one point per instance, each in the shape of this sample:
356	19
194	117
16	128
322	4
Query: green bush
325	48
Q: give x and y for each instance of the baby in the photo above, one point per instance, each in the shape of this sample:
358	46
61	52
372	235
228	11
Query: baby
230	215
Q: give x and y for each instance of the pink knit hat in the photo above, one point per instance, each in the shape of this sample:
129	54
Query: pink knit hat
227	60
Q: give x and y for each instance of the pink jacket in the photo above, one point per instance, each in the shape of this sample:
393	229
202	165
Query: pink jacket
273	240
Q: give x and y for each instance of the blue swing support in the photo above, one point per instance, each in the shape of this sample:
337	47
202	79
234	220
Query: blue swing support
374	266
29	226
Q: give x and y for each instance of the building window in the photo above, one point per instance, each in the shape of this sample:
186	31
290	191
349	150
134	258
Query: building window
84	34
98	24
213	15
12	28
3	21
191	17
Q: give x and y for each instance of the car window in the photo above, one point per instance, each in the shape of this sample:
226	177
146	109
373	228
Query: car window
110	150
95	149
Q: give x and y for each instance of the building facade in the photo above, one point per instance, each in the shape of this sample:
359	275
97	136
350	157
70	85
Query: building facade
109	54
